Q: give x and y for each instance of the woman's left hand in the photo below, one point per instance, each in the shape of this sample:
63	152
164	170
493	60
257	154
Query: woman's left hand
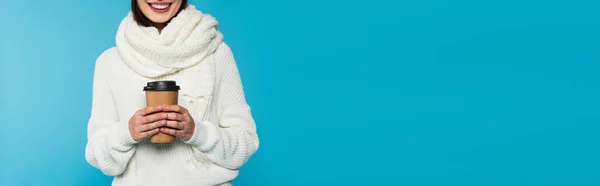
179	122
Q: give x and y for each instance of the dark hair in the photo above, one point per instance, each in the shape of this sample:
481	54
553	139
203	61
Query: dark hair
142	20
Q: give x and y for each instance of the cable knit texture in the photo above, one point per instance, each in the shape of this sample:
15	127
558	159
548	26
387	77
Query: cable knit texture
190	51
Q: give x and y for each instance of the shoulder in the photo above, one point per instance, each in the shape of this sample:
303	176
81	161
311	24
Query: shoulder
223	50
224	59
107	56
225	62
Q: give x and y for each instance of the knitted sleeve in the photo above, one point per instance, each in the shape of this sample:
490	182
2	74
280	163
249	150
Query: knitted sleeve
110	145
233	140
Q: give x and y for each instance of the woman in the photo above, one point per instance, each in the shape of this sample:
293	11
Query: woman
216	133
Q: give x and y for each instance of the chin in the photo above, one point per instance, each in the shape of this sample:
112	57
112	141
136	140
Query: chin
159	20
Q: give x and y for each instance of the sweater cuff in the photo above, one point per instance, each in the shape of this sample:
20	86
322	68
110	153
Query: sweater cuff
120	137
205	136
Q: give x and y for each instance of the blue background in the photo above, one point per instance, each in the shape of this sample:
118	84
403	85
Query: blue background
423	93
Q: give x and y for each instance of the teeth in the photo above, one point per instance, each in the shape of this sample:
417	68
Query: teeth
160	7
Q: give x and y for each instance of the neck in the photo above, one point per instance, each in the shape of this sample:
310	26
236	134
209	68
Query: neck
160	26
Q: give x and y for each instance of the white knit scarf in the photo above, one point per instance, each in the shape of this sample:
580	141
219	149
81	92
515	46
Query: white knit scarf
187	40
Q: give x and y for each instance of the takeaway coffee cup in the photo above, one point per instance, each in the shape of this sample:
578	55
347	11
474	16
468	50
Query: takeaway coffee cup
161	93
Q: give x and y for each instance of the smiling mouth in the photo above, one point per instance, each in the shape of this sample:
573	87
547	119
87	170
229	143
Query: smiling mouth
160	6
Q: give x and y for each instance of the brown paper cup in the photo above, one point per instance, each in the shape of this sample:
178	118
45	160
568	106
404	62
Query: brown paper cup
161	93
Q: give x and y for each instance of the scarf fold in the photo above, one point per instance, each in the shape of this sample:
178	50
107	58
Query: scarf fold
187	40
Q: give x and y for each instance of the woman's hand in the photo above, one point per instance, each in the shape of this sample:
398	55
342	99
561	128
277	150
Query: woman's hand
179	122
147	122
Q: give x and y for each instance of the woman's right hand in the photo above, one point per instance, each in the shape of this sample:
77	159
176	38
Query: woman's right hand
147	122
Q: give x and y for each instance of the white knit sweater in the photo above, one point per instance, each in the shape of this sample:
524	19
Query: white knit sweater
224	139
191	52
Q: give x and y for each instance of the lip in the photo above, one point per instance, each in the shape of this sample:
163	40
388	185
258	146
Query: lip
160	3
160	10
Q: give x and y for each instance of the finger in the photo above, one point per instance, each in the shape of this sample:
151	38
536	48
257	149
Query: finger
149	133
140	112
151	110
175	108
175	124
154	117
175	117
152	126
172	132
